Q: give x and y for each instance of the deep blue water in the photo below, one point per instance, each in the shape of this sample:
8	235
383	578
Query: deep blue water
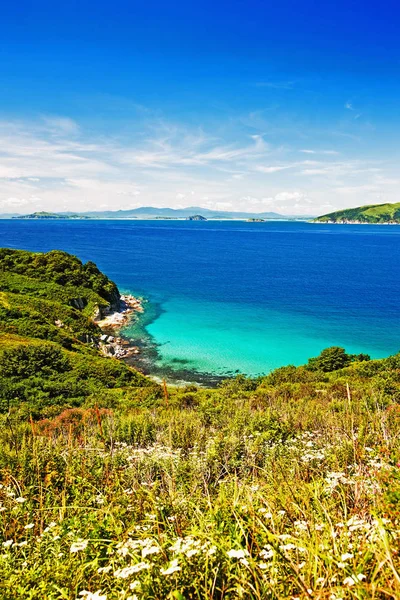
237	295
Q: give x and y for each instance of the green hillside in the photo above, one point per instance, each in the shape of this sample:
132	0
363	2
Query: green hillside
376	213
281	487
49	357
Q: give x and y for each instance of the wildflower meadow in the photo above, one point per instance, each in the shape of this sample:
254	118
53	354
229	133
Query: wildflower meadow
258	489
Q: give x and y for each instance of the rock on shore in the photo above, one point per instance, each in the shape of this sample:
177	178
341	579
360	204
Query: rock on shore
111	321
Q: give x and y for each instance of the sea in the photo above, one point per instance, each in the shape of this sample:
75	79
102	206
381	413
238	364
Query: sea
226	297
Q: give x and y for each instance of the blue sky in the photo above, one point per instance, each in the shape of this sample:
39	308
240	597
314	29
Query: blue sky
286	106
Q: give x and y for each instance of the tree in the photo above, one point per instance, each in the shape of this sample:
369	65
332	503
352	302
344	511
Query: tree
330	359
334	358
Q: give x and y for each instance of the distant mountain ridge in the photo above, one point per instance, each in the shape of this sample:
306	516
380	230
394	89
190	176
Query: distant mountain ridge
151	212
372	213
177	213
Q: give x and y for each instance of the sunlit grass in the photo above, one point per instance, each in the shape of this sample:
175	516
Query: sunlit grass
233	498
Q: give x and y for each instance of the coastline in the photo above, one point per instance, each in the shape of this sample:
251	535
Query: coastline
351	223
111	343
140	351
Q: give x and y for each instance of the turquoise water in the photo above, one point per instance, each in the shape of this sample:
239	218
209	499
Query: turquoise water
226	337
234	296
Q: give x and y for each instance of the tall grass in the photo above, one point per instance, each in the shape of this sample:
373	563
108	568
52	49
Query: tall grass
236	493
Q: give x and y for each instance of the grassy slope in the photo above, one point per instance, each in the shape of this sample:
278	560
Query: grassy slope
282	487
378	213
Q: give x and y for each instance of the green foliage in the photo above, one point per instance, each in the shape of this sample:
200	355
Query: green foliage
50	297
376	213
26	361
334	358
60	268
39	379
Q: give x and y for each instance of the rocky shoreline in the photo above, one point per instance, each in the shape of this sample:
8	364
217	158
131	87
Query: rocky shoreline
111	322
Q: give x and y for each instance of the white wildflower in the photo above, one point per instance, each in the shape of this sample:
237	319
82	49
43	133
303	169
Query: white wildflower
266	554
79	546
150	550
289	546
301	525
93	595
264	512
49	527
8	543
173	567
127	571
236	553
104	569
135	585
29	526
346	556
20	500
354	579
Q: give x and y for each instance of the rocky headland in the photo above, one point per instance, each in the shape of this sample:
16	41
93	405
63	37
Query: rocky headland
111	320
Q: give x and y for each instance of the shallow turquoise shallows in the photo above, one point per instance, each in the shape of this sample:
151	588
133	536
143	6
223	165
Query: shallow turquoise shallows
235	296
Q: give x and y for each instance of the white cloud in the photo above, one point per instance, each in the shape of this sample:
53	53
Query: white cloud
326	152
250	200
271	169
223	205
289	196
56	164
13	202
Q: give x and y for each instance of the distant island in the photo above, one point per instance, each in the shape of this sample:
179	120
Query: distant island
254	220
196	218
50	215
373	214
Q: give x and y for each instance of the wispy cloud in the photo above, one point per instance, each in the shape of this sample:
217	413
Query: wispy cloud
326	152
188	151
272	169
54	163
276	85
